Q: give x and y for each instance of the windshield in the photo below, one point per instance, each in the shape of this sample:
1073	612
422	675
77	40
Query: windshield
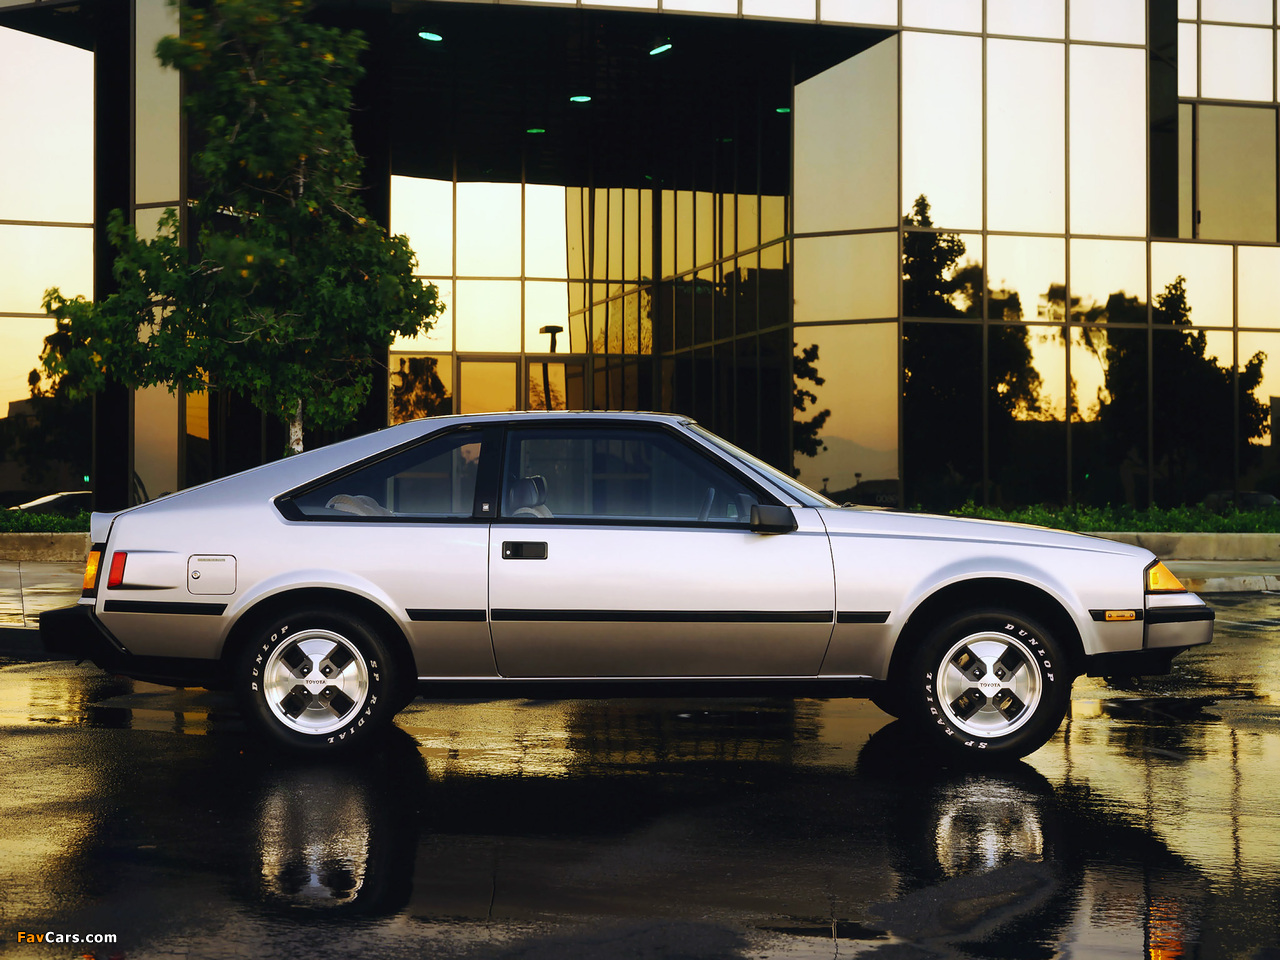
803	494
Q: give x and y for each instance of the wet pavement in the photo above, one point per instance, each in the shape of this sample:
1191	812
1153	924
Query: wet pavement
1146	828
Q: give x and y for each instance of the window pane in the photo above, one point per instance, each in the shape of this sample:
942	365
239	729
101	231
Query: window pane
1109	281
1113	21
943	14
794	9
546	307
45	177
1191	283
440	335
1188	62
420	386
1257	405
21	342
617	474
702	6
1187	9
1027	410
488	229
1026	182
1259	267
942	414
1186	171
487	387
846	278
155	443
432	479
942	136
846	438
423	211
846	132
1108	140
861	11
1236	11
1237	173
1192	392
487	317
158	118
1046	18
1026	277
1109	441
37	258
941	274
545	235
563	383
1236	63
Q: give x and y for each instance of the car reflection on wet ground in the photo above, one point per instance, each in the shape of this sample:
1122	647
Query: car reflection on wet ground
649	828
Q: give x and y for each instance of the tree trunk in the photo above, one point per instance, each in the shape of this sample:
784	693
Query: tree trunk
295	431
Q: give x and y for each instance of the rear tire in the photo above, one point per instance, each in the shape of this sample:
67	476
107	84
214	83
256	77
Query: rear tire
317	681
990	684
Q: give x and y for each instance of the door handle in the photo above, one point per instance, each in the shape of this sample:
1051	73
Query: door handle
523	550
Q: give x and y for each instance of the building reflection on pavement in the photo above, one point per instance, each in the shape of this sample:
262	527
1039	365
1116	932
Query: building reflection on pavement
1138	832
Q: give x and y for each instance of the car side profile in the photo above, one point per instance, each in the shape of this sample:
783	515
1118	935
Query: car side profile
596	554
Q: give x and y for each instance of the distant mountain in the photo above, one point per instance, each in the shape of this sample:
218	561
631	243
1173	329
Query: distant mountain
841	460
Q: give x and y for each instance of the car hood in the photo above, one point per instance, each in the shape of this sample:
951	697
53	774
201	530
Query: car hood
854	521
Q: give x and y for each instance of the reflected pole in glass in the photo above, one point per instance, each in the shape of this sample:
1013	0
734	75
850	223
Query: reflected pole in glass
552	329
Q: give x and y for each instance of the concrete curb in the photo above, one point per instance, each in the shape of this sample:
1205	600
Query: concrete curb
66	547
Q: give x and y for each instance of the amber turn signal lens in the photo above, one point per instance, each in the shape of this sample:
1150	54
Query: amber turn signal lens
1160	579
91	571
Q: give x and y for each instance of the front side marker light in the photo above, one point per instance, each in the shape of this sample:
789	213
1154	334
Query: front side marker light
116	576
91	565
1160	579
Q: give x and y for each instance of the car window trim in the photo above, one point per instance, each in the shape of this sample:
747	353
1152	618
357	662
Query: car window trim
699	450
488	432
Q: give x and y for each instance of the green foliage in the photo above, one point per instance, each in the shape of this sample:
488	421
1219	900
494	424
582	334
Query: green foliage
20	521
274	284
1197	519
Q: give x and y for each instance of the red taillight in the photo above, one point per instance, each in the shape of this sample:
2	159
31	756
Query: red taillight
116	577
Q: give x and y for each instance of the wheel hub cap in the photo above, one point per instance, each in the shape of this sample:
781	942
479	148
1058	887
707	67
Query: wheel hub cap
989	685
315	681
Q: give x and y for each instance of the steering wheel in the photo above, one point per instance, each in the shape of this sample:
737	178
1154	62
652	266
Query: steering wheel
705	513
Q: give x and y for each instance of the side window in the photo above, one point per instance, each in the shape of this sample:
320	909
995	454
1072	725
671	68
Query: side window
617	475
432	479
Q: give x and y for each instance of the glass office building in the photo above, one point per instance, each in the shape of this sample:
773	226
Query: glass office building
919	251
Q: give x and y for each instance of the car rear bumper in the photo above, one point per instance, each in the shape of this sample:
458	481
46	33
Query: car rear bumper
76	632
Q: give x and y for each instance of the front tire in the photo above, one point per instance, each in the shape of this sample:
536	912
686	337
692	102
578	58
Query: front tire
317	681
990	683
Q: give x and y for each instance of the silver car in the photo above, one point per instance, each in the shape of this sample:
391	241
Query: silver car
594	554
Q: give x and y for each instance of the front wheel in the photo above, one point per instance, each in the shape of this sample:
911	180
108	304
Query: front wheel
990	683
317	680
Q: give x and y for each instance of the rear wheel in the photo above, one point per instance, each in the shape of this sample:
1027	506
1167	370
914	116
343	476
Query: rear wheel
990	683
318	680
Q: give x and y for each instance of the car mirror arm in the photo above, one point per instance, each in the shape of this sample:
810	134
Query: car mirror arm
768	518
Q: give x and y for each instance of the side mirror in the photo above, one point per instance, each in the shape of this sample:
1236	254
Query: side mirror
767	518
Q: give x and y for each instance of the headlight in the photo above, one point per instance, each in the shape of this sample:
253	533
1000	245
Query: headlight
1160	579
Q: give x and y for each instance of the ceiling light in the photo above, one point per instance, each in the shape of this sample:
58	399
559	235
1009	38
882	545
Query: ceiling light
428	35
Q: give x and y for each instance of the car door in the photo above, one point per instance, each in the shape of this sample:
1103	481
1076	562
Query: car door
624	551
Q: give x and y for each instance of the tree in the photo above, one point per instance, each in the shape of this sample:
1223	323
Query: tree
287	292
943	392
804	433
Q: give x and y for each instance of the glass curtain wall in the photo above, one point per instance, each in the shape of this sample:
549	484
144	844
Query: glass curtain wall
46	240
1057	345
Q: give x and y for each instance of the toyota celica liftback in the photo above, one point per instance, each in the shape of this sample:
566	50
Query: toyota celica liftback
595	555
